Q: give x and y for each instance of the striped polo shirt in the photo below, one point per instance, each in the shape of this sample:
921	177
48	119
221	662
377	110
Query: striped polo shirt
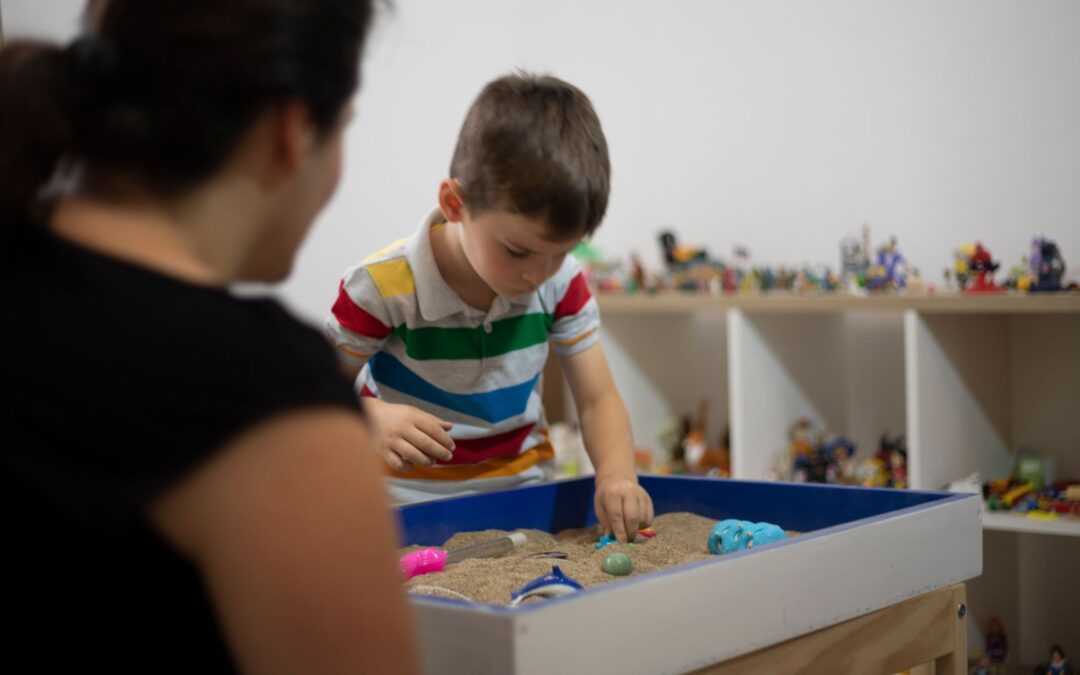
423	346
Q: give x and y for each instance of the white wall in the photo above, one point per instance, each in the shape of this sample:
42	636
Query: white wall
780	124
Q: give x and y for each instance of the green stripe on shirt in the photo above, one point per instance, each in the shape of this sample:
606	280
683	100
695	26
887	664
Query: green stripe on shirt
507	335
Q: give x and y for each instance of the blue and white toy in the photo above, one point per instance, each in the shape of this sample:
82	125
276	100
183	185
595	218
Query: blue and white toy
731	535
547	586
605	540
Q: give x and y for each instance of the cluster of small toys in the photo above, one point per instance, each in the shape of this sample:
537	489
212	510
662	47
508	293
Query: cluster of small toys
1031	490
863	270
885	271
1042	269
690	453
813	456
993	660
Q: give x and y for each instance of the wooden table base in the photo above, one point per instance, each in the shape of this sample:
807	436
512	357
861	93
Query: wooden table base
926	633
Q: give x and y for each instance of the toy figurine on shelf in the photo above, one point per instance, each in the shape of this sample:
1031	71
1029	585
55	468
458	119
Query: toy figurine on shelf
960	273
603	275
839	456
740	263
855	261
871	472
997	644
689	268
889	271
805	439
983	266
642	278
1058	665
1049	267
676	254
979	665
700	458
716	462
893	455
1020	277
693	443
812	459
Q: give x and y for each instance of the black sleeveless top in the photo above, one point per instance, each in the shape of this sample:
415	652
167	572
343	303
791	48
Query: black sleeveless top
115	383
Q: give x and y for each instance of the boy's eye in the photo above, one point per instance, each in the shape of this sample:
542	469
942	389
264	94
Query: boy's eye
516	254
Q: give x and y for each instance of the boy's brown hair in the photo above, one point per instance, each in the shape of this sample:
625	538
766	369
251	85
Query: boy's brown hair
532	144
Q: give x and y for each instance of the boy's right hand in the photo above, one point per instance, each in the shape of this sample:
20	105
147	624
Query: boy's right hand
406	436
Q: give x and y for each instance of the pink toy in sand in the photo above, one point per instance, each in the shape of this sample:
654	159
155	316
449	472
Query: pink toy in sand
429	560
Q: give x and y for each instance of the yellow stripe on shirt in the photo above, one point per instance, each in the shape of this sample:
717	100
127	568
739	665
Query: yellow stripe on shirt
393	278
493	468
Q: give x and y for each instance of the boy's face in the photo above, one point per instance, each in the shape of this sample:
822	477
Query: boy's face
512	253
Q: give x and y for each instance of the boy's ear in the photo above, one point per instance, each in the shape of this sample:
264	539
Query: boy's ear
450	202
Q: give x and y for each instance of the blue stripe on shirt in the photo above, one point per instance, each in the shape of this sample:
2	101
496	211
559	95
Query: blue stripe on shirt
490	406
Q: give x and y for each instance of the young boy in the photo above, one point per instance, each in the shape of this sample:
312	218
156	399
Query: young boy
449	329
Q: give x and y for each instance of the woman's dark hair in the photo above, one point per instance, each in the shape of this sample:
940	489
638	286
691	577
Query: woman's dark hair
533	144
160	91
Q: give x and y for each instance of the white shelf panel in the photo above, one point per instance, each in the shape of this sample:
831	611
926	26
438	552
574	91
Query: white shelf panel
1013	522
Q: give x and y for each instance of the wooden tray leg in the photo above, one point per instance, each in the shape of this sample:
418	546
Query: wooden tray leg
928	629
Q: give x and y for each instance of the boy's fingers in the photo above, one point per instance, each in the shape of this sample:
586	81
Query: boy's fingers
410	453
631	516
396	462
615	518
428	445
646	508
436	429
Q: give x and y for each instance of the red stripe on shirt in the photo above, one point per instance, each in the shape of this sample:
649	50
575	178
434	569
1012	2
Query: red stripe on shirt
364	391
476	450
352	316
575	298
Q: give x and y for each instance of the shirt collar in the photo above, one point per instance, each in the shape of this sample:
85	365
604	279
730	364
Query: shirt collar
433	295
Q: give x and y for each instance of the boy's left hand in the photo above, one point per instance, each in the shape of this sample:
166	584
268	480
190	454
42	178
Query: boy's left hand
622	507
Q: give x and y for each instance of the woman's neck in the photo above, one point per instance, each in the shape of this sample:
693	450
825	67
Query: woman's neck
178	242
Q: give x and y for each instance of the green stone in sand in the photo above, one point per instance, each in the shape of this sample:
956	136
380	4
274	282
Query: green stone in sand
617	564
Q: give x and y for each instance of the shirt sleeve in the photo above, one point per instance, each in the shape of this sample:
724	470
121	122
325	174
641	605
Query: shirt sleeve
576	320
359	322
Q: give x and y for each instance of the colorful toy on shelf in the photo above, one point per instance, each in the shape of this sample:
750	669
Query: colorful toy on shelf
1049	267
605	276
889	271
547	586
690	268
997	643
1058	664
814	458
892	451
979	664
839	455
872	472
1031	489
983	266
701	458
855	260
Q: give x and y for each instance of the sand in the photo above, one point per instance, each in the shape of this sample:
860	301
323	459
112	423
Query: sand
681	538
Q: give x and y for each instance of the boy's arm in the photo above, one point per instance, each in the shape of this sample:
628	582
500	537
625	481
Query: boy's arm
622	506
